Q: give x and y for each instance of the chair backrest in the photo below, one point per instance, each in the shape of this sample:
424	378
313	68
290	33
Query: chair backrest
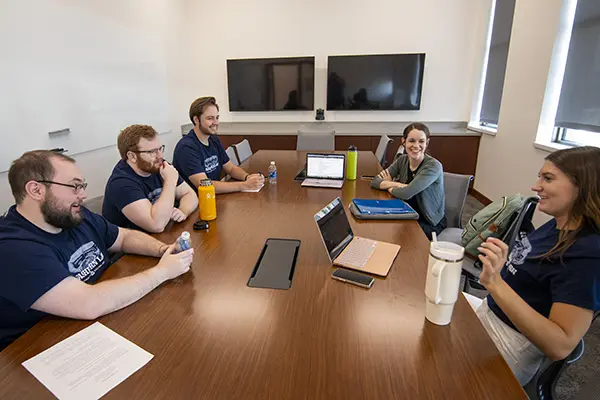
243	150
94	204
542	385
591	389
456	187
381	151
232	156
315	142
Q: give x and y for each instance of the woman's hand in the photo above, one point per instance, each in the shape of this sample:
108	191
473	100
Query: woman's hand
494	254
389	186
385	176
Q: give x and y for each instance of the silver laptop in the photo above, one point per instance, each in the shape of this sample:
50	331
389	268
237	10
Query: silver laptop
324	170
350	251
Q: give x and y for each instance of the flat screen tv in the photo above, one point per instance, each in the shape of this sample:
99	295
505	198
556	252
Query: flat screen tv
271	84
375	82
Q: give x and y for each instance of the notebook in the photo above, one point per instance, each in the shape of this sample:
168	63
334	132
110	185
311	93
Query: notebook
378	207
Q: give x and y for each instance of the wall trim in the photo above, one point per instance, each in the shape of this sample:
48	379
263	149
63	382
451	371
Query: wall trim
480	197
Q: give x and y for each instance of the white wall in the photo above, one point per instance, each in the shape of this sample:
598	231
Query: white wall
155	20
508	162
449	32
199	36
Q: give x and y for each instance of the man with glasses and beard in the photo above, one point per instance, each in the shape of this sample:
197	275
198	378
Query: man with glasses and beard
53	250
144	191
200	155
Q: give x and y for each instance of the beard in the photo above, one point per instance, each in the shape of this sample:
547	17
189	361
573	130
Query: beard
207	130
151	167
58	216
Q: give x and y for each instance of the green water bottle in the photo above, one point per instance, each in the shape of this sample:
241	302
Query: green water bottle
351	161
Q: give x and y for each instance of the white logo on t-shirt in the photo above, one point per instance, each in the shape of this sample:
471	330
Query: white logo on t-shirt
519	253
85	261
211	164
154	195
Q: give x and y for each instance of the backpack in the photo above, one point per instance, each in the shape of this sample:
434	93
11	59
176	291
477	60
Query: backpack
492	221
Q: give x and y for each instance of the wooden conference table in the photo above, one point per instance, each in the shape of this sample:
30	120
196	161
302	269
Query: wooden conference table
215	338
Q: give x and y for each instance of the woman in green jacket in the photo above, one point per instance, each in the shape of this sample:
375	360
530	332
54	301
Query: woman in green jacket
418	179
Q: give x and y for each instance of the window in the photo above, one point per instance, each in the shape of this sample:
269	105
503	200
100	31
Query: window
578	117
496	63
577	137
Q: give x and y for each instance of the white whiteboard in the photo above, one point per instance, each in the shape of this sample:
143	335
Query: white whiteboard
83	65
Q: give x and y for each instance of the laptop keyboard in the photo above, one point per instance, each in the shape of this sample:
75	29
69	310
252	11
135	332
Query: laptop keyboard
357	253
322	183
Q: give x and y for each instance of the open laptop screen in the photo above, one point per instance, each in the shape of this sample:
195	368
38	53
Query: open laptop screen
334	227
325	166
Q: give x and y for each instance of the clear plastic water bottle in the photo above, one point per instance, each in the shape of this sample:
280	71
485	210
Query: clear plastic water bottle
272	173
184	242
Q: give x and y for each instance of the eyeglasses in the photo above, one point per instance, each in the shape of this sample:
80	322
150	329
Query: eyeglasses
155	152
77	187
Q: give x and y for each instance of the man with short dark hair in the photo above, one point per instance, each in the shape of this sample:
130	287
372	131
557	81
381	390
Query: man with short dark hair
144	191
200	155
53	250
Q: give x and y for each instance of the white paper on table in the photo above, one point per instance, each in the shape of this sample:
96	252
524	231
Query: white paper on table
253	190
88	364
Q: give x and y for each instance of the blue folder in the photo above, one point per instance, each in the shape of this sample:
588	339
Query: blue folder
386	207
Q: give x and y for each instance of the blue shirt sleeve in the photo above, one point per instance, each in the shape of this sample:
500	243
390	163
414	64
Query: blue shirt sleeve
27	271
123	191
578	284
107	231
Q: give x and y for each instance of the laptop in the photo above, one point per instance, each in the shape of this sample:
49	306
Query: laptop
324	170
349	251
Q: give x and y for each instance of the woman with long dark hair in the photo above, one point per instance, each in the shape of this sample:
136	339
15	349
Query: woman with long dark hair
543	295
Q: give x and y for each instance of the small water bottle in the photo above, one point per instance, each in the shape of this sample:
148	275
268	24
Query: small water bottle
272	173
184	242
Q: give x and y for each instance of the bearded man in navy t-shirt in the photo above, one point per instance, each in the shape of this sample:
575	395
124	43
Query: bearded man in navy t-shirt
53	250
144	191
200	154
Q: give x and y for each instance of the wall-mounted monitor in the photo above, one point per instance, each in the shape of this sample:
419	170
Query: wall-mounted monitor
375	82
271	84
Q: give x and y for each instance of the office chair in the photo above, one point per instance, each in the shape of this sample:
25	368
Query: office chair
315	141
520	222
591	389
243	150
232	156
456	188
94	204
381	151
543	385
401	150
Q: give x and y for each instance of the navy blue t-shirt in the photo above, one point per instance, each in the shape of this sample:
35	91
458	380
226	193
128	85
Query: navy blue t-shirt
34	261
124	187
192	157
542	282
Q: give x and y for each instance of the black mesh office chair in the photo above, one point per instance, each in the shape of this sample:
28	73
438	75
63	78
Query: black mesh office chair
521	221
543	384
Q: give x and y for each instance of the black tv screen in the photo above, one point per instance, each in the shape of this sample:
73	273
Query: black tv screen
271	84
375	82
